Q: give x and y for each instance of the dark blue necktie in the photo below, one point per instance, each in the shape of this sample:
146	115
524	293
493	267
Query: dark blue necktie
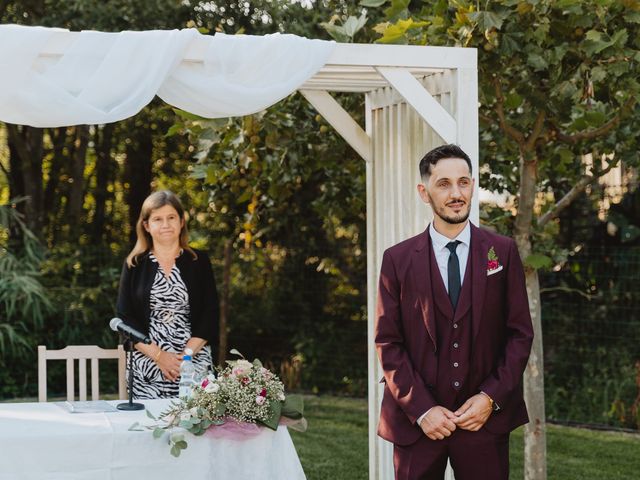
453	273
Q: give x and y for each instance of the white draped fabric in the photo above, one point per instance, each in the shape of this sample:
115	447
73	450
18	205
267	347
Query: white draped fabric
105	77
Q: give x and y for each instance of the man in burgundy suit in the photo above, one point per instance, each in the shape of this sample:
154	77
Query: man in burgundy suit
453	334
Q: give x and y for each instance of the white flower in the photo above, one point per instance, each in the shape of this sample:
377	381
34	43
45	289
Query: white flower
281	397
185	416
193	411
260	400
212	387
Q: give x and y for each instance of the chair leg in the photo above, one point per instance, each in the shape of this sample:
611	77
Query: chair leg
42	373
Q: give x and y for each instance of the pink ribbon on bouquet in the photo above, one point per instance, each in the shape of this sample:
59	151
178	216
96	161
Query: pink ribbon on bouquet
231	429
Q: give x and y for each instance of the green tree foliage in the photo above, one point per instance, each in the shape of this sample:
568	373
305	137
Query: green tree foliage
557	81
23	301
288	195
85	184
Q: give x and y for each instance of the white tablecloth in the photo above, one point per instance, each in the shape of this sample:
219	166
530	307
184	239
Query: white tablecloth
41	441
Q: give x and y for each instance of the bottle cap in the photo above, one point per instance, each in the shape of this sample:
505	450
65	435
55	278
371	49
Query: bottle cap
188	351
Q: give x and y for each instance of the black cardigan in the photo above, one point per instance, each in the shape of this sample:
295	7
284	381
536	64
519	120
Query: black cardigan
135	289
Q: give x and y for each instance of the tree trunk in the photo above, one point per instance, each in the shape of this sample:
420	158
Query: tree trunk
535	445
104	141
51	191
138	171
535	441
76	195
224	302
25	147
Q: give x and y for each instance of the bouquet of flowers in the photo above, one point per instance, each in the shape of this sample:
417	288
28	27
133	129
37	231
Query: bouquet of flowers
243	393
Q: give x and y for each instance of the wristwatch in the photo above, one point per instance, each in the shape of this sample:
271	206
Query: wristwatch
494	406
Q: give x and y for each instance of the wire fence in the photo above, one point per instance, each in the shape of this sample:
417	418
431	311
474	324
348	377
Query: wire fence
591	328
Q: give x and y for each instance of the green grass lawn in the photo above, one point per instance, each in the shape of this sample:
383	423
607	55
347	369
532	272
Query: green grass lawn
335	446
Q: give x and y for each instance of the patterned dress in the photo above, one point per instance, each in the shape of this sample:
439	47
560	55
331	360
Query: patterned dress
170	328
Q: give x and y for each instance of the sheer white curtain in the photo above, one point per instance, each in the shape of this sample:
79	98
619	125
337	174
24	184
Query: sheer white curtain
105	77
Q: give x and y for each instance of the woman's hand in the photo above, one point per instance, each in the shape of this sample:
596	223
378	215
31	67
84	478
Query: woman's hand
169	365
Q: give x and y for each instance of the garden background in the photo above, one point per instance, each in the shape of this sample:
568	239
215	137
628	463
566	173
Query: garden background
278	199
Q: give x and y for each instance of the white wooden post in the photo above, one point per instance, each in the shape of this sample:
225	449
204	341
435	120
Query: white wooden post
400	137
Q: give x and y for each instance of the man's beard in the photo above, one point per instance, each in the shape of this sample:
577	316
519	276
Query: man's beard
461	218
452	220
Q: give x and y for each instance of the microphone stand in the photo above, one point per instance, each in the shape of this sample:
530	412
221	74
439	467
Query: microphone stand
128	346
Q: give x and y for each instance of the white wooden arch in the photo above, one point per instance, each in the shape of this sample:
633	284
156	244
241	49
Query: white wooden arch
416	98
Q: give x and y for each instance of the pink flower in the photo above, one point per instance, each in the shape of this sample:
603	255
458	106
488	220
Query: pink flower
205	382
493	262
263	392
241	368
245	380
260	400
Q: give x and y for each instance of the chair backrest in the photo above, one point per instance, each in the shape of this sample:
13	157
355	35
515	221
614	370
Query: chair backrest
82	353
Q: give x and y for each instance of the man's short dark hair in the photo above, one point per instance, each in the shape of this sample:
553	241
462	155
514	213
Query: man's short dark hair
434	156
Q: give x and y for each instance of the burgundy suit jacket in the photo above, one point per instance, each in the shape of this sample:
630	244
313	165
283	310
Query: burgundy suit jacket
405	334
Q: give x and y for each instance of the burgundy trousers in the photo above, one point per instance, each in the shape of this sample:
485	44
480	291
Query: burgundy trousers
477	455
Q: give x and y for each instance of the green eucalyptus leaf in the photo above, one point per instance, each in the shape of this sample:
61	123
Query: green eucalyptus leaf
182	444
158	432
185	424
372	3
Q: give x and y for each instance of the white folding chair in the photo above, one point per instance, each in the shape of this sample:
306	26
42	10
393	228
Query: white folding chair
82	353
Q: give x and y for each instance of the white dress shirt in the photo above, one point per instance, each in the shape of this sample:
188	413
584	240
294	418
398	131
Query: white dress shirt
442	253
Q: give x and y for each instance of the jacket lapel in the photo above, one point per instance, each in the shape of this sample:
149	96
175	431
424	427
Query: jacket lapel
479	249
421	268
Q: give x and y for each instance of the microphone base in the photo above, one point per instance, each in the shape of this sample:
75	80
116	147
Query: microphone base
130	406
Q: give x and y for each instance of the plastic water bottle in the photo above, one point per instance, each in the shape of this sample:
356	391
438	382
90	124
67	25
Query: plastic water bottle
187	375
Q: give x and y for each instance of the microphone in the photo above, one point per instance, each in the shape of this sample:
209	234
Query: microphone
118	325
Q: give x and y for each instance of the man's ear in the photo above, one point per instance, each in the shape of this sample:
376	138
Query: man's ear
422	191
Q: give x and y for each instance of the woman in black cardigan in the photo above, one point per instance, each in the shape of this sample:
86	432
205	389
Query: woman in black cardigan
168	292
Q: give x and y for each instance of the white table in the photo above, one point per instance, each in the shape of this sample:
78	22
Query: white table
40	441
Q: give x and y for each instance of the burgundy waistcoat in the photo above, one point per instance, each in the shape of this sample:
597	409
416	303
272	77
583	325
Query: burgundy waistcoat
453	336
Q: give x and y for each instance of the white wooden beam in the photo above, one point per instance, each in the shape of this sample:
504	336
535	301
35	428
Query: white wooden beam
421	100
340	119
466	112
402	56
349	54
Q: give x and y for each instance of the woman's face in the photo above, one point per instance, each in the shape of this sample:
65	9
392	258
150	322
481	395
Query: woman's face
164	225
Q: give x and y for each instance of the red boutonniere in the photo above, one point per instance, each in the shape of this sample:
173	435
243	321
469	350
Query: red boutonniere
493	263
